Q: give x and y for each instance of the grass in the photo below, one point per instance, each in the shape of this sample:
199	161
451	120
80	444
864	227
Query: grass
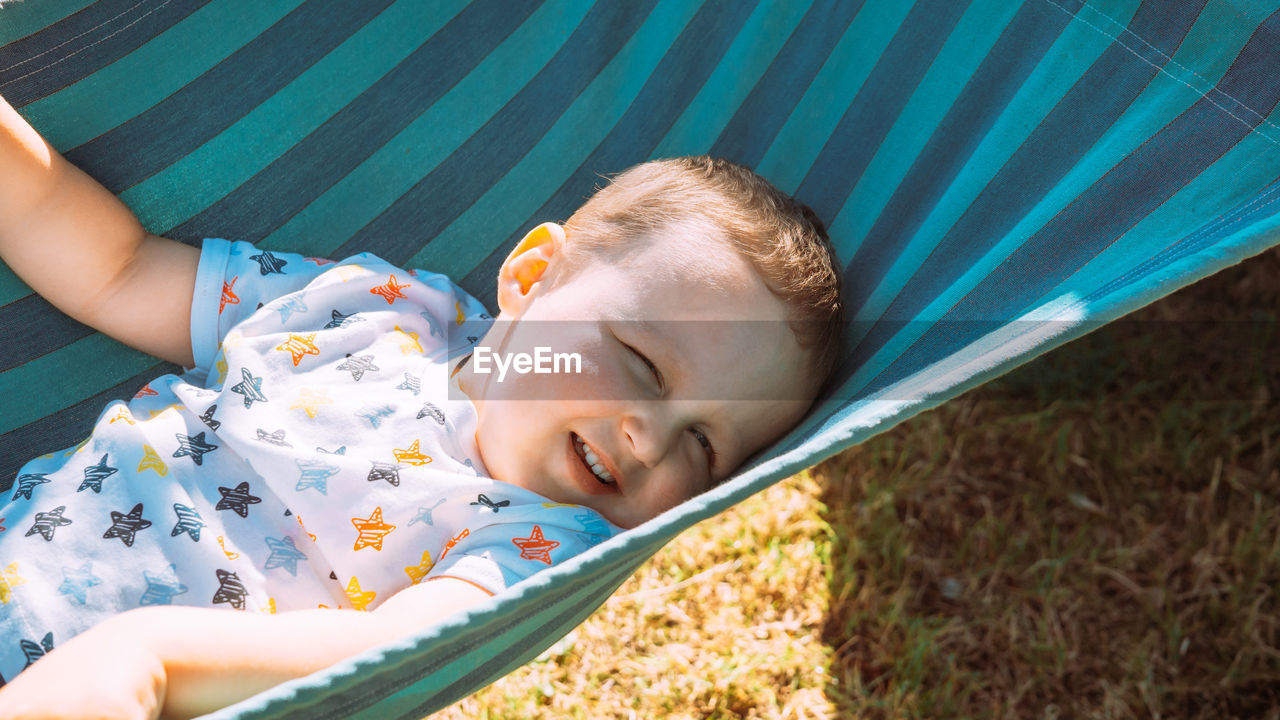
1094	535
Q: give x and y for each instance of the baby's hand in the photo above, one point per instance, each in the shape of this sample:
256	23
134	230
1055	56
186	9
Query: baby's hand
102	673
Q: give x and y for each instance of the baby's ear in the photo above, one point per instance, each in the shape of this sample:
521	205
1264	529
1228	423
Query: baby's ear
527	264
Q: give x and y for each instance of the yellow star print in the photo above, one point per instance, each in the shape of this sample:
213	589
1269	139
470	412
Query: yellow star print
122	413
419	572
347	272
163	410
270	607
9	580
231	555
79	447
309	401
151	461
221	367
299	346
359	600
409	341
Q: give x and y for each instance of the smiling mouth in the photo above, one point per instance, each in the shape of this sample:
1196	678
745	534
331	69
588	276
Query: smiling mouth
591	461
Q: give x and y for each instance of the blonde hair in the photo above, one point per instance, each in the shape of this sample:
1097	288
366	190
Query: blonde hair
782	238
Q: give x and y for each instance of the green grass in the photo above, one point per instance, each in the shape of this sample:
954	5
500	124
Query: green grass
1094	535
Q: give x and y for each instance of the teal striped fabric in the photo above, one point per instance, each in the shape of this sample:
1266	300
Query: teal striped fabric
999	177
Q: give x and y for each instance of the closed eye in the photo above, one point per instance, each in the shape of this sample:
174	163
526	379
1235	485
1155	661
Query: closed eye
657	374
705	442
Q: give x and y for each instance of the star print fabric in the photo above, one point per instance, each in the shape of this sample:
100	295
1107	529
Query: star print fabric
313	458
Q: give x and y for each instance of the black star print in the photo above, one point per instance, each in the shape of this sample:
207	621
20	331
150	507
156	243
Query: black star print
358	365
275	438
237	499
250	387
193	446
484	500
124	526
339	320
47	522
95	474
268	263
33	651
385	471
230	590
207	417
430	410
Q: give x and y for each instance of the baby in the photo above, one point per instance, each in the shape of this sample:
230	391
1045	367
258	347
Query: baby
354	437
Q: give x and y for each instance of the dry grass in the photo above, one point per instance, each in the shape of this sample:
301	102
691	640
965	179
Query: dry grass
1095	535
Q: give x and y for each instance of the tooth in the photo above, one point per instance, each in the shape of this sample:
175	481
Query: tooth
597	468
592	458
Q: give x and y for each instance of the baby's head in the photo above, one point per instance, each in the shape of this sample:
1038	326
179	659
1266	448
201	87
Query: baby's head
686	287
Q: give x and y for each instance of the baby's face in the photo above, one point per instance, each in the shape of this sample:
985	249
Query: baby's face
658	406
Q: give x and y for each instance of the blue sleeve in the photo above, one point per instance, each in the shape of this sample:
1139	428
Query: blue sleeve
232	281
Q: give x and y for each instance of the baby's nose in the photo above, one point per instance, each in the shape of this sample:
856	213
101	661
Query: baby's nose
650	436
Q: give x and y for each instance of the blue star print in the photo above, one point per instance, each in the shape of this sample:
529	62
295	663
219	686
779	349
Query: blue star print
315	474
290	306
424	514
375	414
284	554
593	524
161	587
26	483
77	581
189	522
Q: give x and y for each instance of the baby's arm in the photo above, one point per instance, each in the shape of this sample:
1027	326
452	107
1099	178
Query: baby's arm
76	244
191	661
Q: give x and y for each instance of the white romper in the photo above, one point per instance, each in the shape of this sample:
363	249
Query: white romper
313	458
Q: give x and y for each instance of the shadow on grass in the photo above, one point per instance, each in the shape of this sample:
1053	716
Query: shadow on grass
1096	534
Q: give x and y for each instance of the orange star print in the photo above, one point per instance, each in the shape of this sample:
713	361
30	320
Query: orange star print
535	547
298	346
390	291
371	530
228	295
456	539
412	456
